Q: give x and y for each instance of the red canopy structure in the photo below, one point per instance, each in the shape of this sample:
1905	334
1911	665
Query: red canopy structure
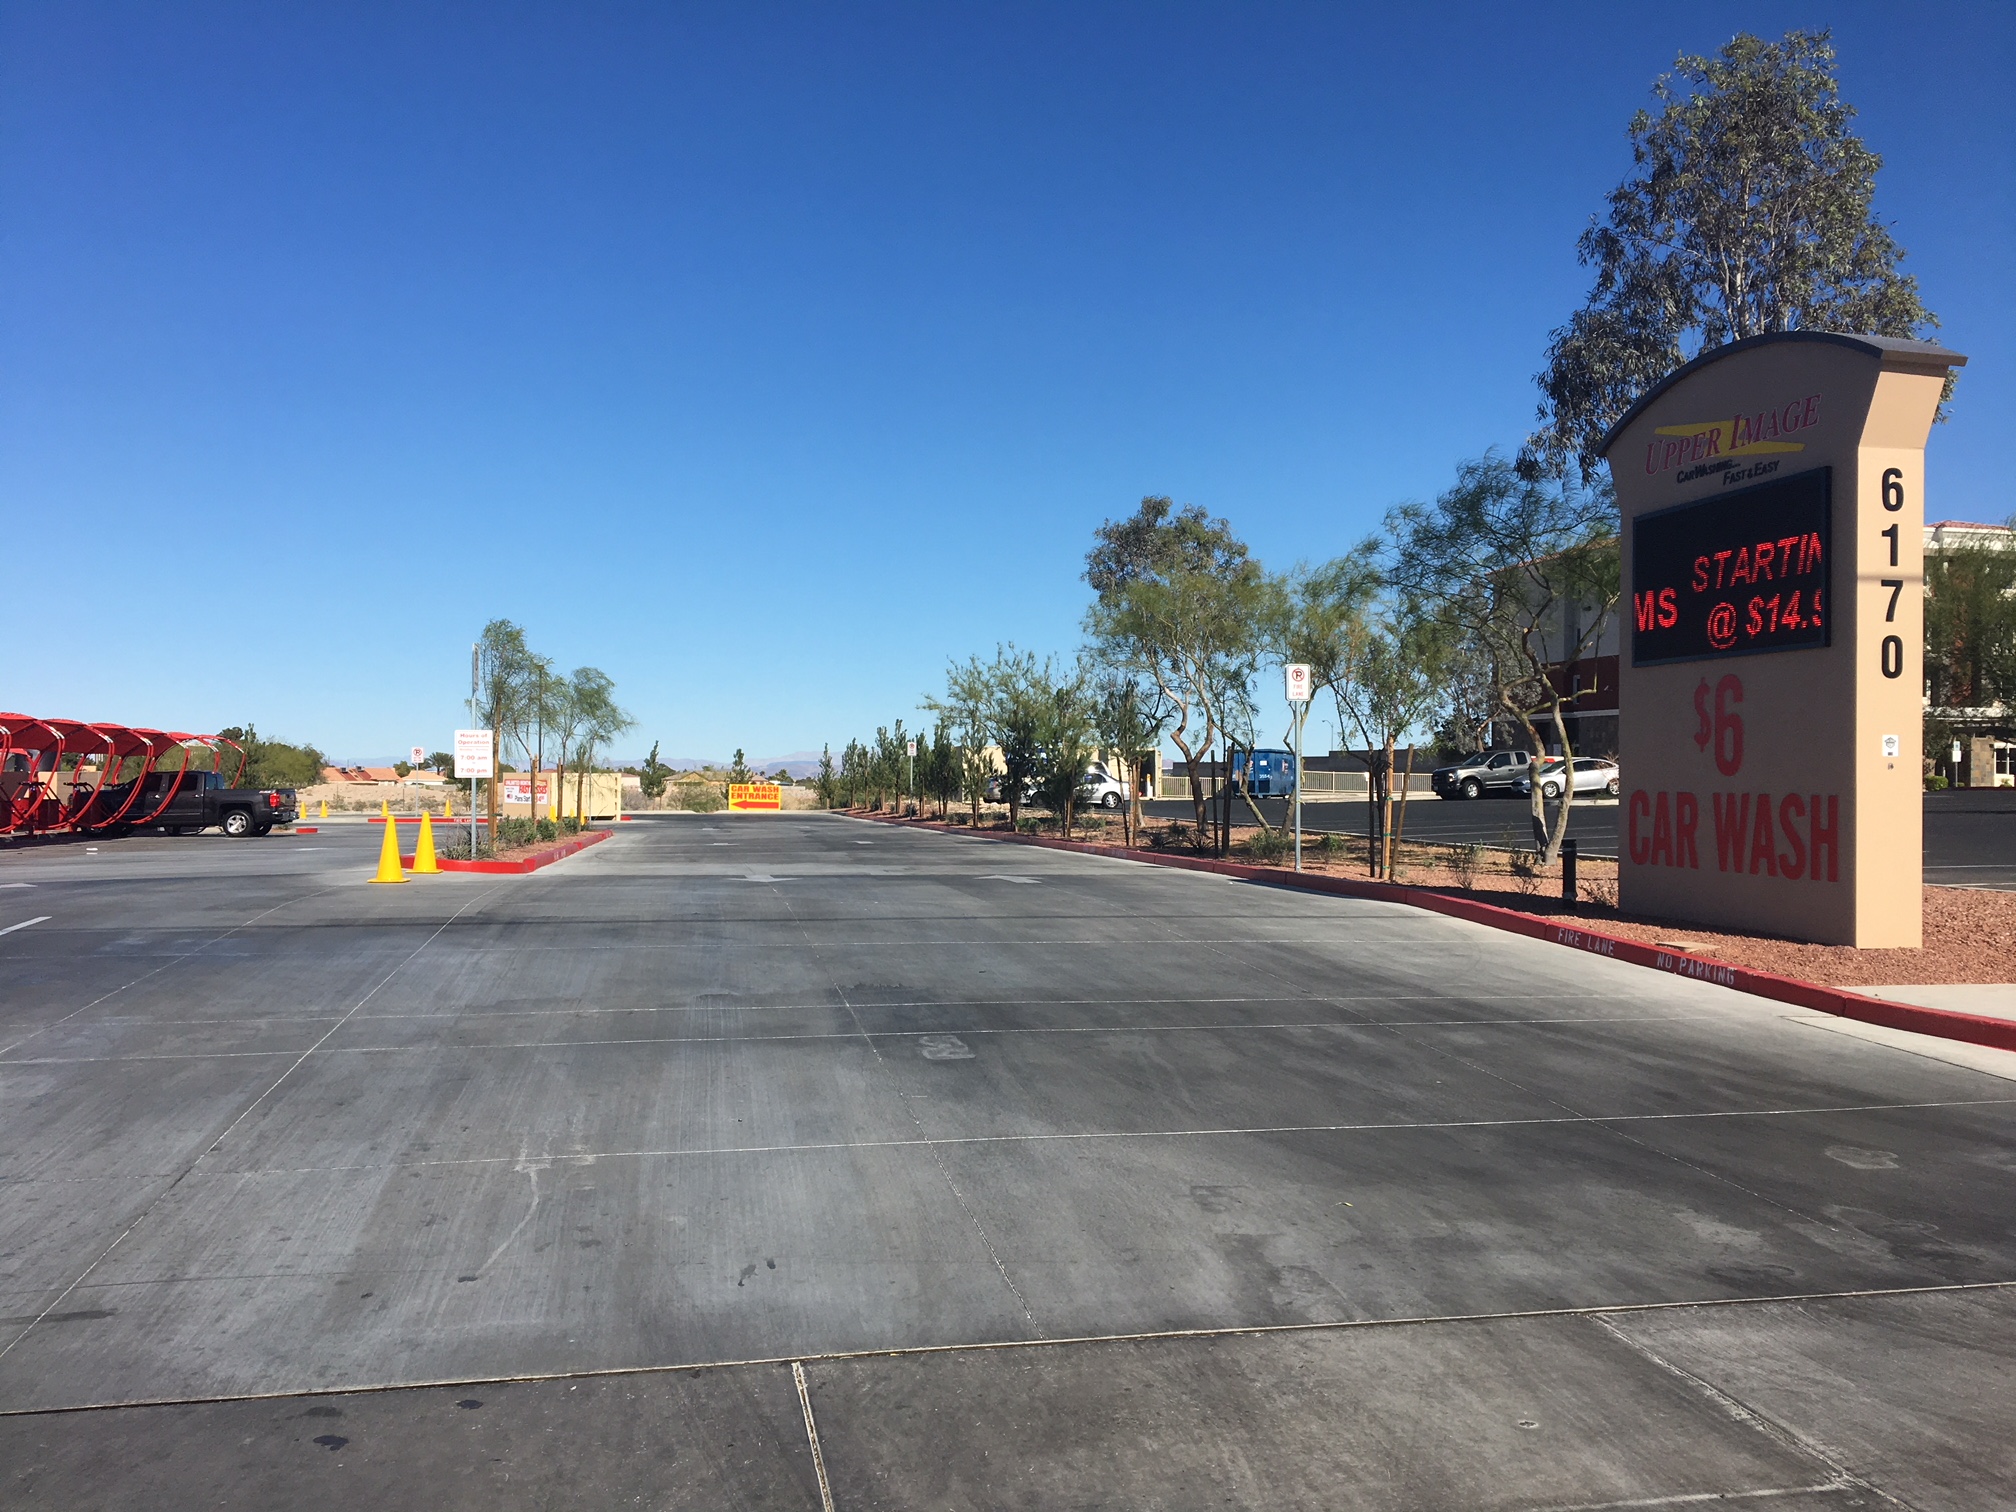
60	776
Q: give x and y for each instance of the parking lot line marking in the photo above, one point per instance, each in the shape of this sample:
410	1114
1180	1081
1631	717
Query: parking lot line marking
184	955
40	919
925	1141
844	1034
454	1016
812	1436
993	1346
244	1113
1770	1427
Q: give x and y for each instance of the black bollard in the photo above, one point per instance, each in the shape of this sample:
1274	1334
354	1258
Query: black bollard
1568	875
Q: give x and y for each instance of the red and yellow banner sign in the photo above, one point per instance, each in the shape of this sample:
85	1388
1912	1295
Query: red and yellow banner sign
755	795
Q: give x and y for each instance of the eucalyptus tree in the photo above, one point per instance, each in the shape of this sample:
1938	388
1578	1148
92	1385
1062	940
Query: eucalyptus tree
1750	209
505	667
591	695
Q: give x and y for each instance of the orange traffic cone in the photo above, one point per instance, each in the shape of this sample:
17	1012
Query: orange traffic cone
424	864
389	869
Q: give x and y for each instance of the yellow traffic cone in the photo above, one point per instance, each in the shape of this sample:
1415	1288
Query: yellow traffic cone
384	808
447	809
325	808
424	864
389	869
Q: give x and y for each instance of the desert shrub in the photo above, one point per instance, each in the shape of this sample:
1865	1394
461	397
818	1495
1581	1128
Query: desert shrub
1601	891
1333	847
1464	860
1526	871
1935	783
1268	845
699	797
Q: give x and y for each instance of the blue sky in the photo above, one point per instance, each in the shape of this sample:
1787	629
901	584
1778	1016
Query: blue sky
768	356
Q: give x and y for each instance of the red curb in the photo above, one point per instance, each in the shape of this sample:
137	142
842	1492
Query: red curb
525	865
1974	1028
461	819
306	830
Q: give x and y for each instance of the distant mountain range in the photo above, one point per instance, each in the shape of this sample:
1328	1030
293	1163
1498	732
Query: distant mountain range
798	763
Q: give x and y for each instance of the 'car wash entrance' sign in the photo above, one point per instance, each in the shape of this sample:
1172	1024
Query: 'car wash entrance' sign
1769	699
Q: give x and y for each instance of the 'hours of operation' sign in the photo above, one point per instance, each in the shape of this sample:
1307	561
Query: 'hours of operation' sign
1735	574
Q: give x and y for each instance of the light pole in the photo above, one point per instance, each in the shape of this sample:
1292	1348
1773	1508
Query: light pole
475	656
1296	676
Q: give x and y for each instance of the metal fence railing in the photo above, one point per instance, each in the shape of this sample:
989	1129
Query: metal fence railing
1317	787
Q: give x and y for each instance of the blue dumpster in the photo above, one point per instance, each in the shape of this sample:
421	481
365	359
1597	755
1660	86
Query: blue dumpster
1268	774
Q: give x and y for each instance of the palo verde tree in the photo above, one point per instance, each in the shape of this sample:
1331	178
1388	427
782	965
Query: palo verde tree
1129	715
1399	682
1750	209
998	704
1066	739
1522	574
1181	604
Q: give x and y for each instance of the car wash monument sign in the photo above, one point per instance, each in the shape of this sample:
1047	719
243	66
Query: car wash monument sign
1769	697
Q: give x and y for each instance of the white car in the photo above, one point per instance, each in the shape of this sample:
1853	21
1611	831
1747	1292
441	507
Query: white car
1592	775
1102	788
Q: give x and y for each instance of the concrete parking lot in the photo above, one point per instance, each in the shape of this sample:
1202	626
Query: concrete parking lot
789	1161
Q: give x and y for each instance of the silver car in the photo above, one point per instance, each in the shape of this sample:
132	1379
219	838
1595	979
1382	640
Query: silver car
1592	775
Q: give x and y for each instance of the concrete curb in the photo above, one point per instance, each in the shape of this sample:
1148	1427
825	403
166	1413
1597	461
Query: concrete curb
524	866
1999	1034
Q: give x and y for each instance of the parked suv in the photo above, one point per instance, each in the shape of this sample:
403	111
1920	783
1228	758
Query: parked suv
1473	776
1592	775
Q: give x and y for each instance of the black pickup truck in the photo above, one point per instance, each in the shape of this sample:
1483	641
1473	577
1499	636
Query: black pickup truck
202	800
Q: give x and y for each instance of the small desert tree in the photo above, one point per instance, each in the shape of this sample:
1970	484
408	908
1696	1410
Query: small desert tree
1066	739
1181	604
655	774
1522	576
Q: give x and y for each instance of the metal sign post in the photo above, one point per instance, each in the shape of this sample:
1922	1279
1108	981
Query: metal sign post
1296	675
475	759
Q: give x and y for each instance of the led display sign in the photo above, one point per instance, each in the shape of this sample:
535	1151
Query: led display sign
1733	575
